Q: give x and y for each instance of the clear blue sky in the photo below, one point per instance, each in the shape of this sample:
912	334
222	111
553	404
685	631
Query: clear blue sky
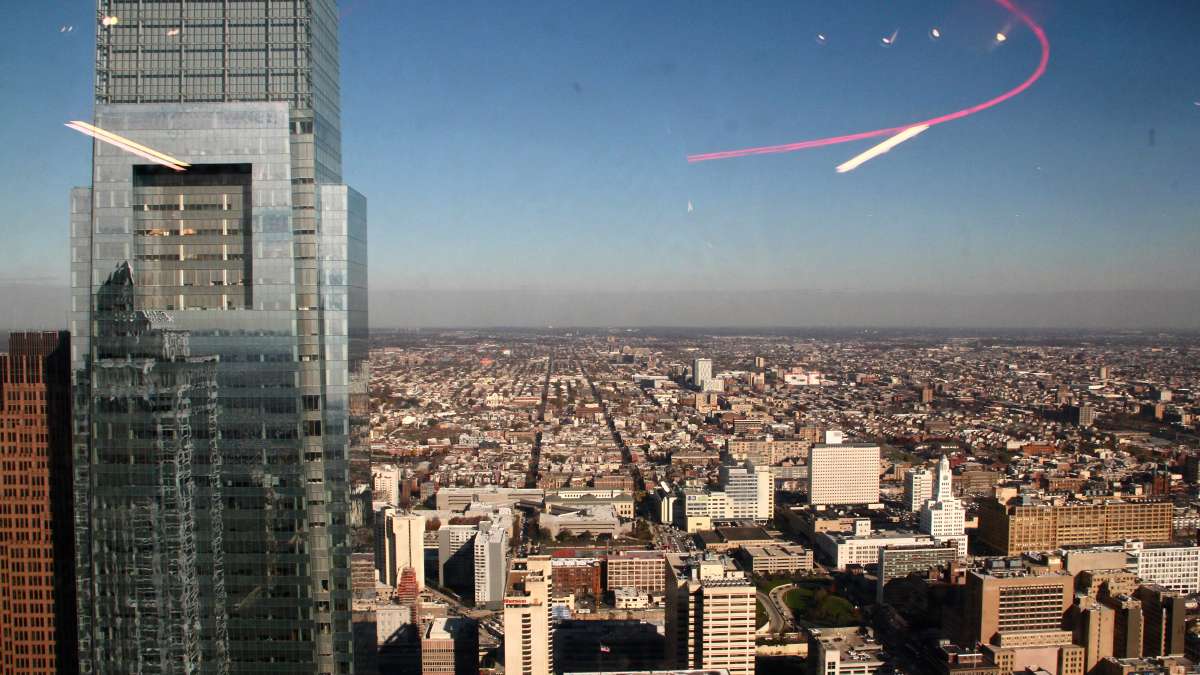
541	145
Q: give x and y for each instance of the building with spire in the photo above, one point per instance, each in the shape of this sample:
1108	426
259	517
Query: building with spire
943	517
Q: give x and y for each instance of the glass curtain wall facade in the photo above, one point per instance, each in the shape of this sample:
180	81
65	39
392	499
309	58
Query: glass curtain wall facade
219	344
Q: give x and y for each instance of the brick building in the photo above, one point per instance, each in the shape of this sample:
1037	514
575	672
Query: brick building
37	580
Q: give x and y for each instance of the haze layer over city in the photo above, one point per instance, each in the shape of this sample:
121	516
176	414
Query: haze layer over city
368	337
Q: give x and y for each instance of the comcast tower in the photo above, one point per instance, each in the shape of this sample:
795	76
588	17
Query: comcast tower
219	342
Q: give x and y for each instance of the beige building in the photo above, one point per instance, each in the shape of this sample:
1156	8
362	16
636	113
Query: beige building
709	615
776	558
572	498
1020	619
1037	525
399	543
643	570
1094	626
528	638
449	646
1014	602
766	450
843	474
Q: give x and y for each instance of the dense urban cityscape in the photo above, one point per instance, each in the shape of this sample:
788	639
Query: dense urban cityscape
221	467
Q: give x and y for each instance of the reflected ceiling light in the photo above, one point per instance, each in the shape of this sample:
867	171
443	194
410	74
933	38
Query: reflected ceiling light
935	33
1001	37
880	149
1018	15
127	145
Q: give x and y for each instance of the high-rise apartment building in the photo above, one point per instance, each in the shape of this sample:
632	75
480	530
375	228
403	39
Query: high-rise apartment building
385	484
943	516
528	633
37	580
491	562
1033	524
844	473
918	488
219	344
709	615
702	373
456	556
750	491
399	543
1083	415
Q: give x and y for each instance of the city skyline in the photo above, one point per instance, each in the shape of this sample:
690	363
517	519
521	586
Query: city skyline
569	173
704	339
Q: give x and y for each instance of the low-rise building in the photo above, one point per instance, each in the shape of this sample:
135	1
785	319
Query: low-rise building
842	549
774	559
845	651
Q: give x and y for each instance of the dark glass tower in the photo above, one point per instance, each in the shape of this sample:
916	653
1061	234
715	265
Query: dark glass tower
219	344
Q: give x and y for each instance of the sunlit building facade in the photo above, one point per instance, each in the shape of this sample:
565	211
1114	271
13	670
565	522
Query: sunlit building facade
37	591
219	344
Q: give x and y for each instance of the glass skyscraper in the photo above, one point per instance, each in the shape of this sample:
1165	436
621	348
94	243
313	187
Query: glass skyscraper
219	344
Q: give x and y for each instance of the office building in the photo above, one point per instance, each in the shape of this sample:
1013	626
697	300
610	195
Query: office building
702	373
1033	524
1001	602
861	546
399	544
641	570
450	646
219	344
37	579
528	632
1175	567
578	576
750	492
1127	626
918	488
775	559
846	473
1163	615
897	562
709	615
1093	628
767	450
943	516
491	562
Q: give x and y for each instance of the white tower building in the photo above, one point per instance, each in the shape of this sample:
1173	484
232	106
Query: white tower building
918	488
702	372
944	517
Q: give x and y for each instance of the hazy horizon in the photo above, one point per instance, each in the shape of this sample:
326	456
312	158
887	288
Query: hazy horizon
42	306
